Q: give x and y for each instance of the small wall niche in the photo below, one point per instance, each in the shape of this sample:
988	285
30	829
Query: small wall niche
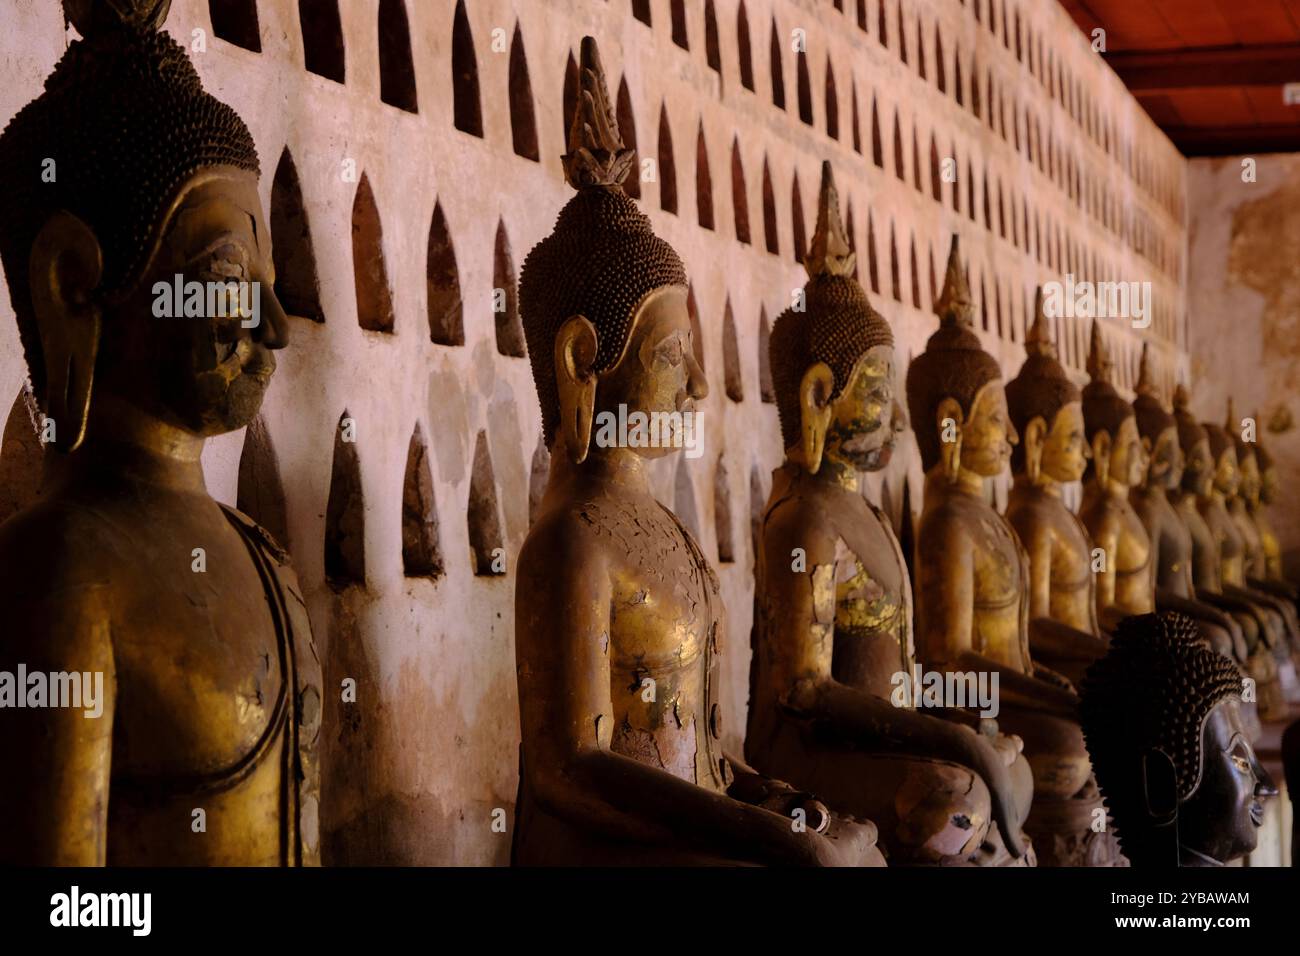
297	284
345	511
421	551
703	182
467	113
486	544
667	166
722	514
627	129
396	67
374	297
322	39
739	194
235	21
505	298
442	280
733	381
766	390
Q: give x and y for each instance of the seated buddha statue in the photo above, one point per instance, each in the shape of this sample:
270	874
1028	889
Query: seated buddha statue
201	748
1171	541
1163	720
1258	507
1046	410
972	579
1125	582
619	622
833	629
1227	546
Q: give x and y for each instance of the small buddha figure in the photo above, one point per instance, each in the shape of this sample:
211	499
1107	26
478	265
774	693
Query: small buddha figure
619	620
1162	716
1125	582
1258	507
972	579
1227	544
1171	541
1046	410
833	629
180	615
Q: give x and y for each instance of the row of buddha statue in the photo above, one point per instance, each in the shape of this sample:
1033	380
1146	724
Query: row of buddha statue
1125	640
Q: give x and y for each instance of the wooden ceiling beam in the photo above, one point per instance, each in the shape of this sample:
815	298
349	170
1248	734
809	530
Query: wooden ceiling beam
1235	140
1190	68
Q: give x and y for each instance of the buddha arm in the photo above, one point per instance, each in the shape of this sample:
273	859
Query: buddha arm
54	809
1107	538
1038	543
945	566
563	601
1058	641
801	631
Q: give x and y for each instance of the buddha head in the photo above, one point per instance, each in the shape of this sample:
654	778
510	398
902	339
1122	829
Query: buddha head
603	300
1248	471
1161	717
1158	429
1117	456
126	184
1223	455
1046	408
955	394
1198	468
833	360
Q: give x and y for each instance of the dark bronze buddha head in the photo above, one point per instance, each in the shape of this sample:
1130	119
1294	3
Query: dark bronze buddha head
603	300
1046	408
832	358
955	394
134	234
1161	717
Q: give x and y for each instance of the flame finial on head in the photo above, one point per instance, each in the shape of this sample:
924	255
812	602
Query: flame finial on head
1100	366
1038	340
1230	422
95	17
597	155
955	305
1182	398
829	253
1146	384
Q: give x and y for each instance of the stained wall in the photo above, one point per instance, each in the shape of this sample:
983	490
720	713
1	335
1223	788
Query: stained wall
1054	170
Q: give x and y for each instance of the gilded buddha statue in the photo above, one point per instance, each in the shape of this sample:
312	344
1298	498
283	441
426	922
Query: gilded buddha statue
1224	557
833	628
1046	409
126	572
972	578
1125	578
1171	540
619	621
1258	506
1162	716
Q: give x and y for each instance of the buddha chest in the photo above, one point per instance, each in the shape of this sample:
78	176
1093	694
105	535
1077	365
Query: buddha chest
666	630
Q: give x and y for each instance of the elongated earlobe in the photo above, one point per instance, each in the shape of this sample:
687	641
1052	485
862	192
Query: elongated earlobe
1101	456
815	413
575	379
1035	433
64	271
948	420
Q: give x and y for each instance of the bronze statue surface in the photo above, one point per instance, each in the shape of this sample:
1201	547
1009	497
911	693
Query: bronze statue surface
1162	717
619	620
833	639
972	575
126	571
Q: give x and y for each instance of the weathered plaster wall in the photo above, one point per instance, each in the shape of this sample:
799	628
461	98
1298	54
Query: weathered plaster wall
1073	175
1244	305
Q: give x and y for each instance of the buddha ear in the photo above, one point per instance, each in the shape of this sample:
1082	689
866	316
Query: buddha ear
948	419
1035	433
1101	455
575	380
64	270
815	412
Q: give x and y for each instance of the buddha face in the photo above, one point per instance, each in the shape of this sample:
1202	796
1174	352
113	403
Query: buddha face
1128	461
1221	819
1198	474
866	418
658	372
205	372
1065	448
1166	467
1226	476
987	435
1249	484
